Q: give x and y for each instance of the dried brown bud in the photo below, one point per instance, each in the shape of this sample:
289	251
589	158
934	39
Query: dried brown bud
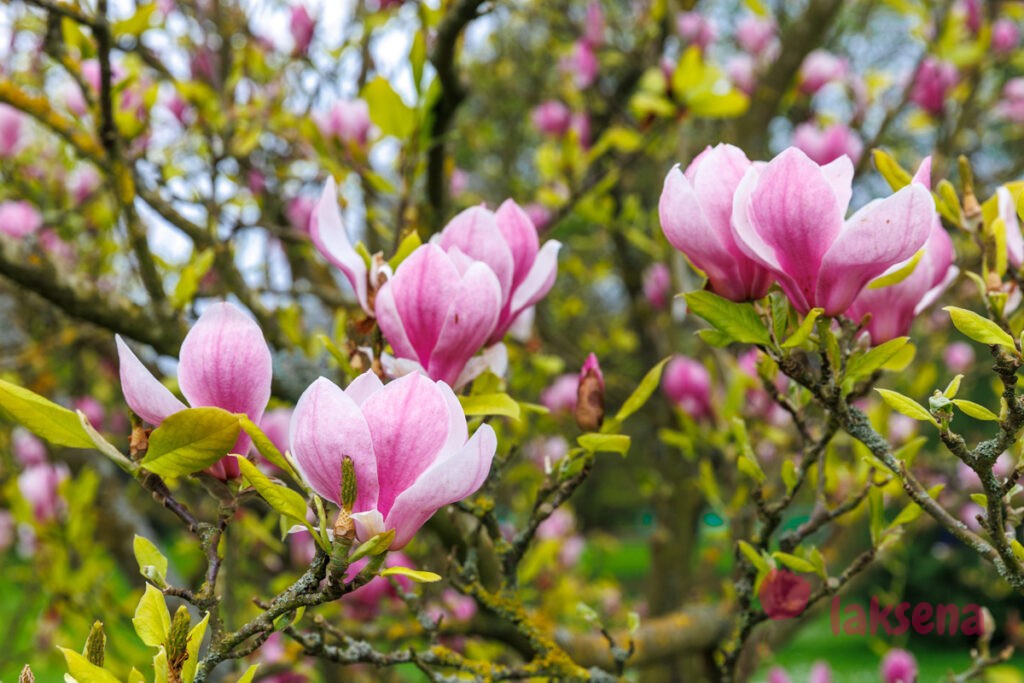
590	396
26	676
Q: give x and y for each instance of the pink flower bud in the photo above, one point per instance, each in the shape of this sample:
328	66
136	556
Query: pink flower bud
820	673
687	384
39	485
820	68
580	125
824	145
560	524
28	449
657	283
19	219
539	215
931	84
93	410
899	666
973	18
83	182
458	183
55	246
694	29
1005	36
368	600
742	72
582	65
959	357
178	108
755	34
461	607
1012	105
12	125
257	182
552	118
778	675
593	27
347	121
302	28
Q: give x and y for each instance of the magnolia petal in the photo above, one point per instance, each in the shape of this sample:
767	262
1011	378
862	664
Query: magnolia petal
327	424
327	231
521	236
448	480
475	232
420	294
839	174
1014	240
143	392
400	367
369	524
882	233
539	281
472	315
390	322
408	422
364	386
494	358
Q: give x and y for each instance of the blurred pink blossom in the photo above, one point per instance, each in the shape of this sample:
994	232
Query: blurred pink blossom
820	68
19	218
959	357
1005	36
931	84
552	118
824	145
695	29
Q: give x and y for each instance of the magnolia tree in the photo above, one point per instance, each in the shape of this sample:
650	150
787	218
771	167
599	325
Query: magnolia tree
572	341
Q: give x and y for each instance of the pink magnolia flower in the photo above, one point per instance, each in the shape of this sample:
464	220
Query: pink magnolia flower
824	145
224	362
893	308
327	231
778	675
580	126
582	65
367	600
1007	210
755	34
552	118
695	29
931	83
820	673
178	107
27	448
83	182
460	608
742	72
1011	107
12	123
19	218
593	25
657	283
687	383
696	209
275	425
302	27
458	183
1005	36
506	241
347	121
591	366
39	486
561	395
55	246
299	211
788	216
539	215
820	68
973	18
92	409
899	666
959	357
408	441
438	328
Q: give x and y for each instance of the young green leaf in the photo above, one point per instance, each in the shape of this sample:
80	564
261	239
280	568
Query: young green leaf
978	412
56	424
979	329
152	621
803	333
490	404
864	365
414	574
953	387
795	563
190	441
375	546
607	443
280	497
648	385
905	405
195	640
756	559
266	447
739	321
249	674
85	672
152	563
890	169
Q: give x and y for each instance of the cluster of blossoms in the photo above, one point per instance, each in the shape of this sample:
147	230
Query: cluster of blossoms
748	225
408	439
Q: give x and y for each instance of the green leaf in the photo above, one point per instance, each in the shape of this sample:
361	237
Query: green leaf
953	387
889	168
190	441
105	447
864	365
152	620
408	245
906	406
191	275
249	674
803	333
818	560
84	671
633	622
387	110
152	563
375	546
414	574
195	640
739	321
715	338
605	443
160	666
747	462
899	275
490	404
280	497
790	475
755	557
137	23
948	203
648	385
46	419
795	563
135	677
977	411
979	329
266	447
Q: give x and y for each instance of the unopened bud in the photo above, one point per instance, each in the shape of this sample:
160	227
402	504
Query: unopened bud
177	643
988	626
971	207
590	396
348	483
96	644
26	676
